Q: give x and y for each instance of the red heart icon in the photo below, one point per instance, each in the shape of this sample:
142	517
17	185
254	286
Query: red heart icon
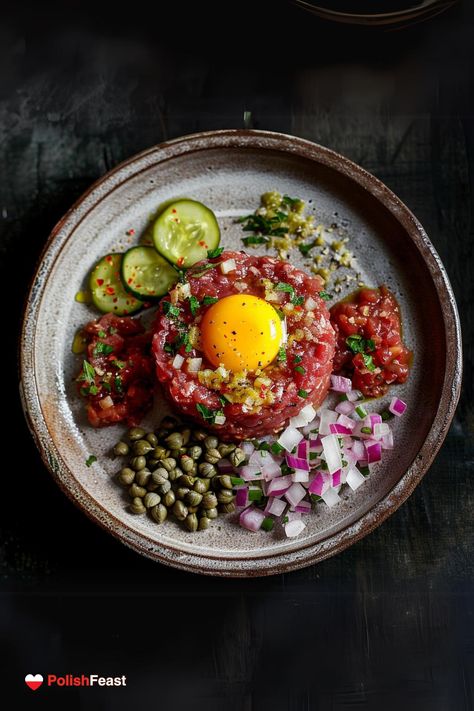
34	682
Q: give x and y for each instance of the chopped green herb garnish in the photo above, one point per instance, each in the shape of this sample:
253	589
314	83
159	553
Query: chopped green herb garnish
101	348
305	248
315	498
297	359
88	372
365	471
223	400
194	305
297	300
213	253
255	494
343	397
119	364
284	519
361	411
118	384
282	354
106	385
303	393
209	300
267	523
386	415
300	369
112	330
291	202
92	390
90	460
325	296
368	362
357	344
254	239
170	309
102	334
283	286
280	313
169	348
207	414
276	448
313	455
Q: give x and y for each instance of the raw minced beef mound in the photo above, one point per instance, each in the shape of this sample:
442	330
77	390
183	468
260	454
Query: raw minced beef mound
300	379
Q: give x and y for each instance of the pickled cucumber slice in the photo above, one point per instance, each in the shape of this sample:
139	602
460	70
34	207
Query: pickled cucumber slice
107	290
146	274
185	231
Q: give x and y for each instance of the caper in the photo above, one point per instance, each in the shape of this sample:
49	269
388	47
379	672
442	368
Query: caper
143	477
175	453
160	472
237	457
163	488
186	435
186	463
121	449
209	500
193	509
181	492
191	522
136	433
192	498
141	446
225	496
168	423
180	510
203	523
224	480
174	474
201	486
211	442
151	486
212	456
152	439
151	499
169	498
159	513
199	435
169	463
207	470
211	513
153	463
159	452
137	491
227	508
138	463
195	451
126	476
174	440
185	480
137	507
226	449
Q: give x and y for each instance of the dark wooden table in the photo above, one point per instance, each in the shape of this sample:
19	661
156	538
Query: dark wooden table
388	624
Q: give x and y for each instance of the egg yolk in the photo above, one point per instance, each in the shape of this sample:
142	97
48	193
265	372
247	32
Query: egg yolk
242	332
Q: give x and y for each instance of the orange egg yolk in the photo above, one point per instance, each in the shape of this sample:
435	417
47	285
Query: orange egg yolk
241	332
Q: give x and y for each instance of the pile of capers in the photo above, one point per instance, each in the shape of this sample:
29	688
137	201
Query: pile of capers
174	471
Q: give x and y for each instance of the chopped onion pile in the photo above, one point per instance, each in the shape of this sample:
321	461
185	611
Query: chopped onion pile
311	460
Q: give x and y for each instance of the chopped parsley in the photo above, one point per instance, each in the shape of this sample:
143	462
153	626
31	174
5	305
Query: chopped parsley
271	226
169	348
276	448
386	415
282	354
325	296
90	460
194	305
101	348
267	524
303	393
118	384
209	300
223	400
368	362
283	286
297	300
300	369
297	359
107	386
305	248
119	364
213	253
207	414
88	372
291	202
255	239
102	334
112	330
170	309
366	430
357	344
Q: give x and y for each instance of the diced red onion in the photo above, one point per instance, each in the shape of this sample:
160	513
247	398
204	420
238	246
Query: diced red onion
346	422
194	364
247	447
275	506
106	402
304	507
397	407
300	475
310	304
332	453
330	497
294	528
354	395
295	494
220	419
304	417
297	463
339	429
387	440
178	361
251	518
271	468
381	429
336	478
327	417
374	419
340	384
319	484
315	445
374	451
279	485
241	495
303	448
354	478
293	515
228	266
345	407
250	472
290	438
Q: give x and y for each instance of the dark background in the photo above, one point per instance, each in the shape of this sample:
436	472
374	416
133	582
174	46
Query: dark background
387	624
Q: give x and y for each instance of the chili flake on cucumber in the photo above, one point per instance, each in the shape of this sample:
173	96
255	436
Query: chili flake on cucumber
108	292
185	231
146	274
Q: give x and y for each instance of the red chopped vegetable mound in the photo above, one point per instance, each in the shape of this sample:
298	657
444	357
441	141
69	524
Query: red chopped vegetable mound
117	376
369	346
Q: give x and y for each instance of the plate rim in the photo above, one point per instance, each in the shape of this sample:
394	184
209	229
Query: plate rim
311	552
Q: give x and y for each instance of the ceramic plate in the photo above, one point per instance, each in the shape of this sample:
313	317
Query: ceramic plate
228	170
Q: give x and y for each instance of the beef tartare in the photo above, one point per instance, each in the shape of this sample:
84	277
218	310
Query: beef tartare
244	343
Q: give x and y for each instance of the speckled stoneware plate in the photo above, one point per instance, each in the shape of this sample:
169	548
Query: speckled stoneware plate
228	170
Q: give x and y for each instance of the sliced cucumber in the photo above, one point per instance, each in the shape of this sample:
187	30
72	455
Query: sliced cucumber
107	290
146	274
184	232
